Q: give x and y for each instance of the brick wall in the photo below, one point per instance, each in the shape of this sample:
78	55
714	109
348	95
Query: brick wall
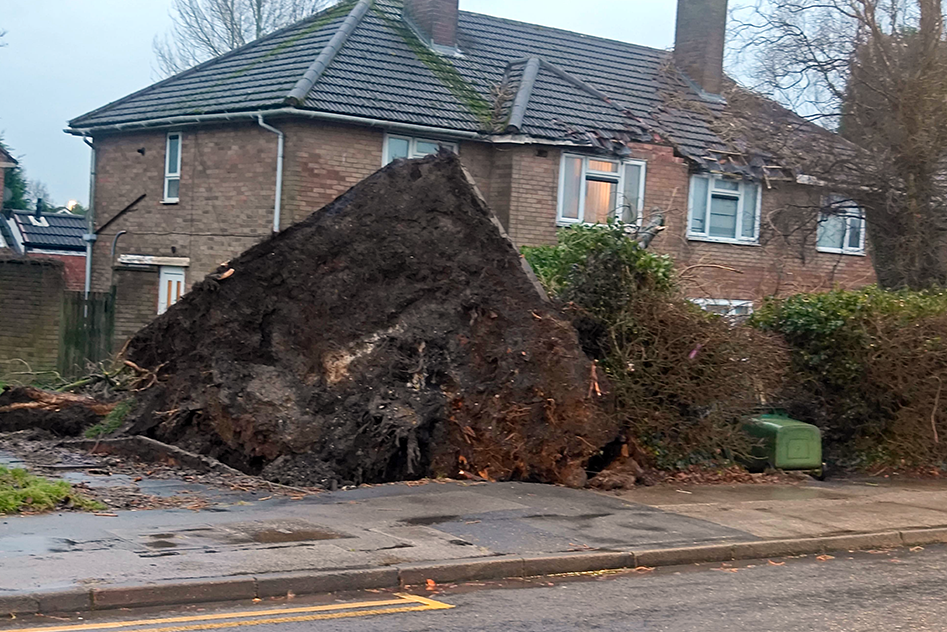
73	272
322	162
533	194
228	180
32	291
136	300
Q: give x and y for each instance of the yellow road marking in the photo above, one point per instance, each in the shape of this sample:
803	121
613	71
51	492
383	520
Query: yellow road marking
333	611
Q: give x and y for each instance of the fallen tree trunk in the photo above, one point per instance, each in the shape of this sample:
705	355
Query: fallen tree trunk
64	414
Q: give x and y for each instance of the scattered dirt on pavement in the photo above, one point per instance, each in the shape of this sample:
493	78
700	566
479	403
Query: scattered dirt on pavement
118	482
394	334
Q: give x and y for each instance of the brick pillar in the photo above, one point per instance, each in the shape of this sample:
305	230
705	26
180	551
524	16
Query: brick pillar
699	41
436	19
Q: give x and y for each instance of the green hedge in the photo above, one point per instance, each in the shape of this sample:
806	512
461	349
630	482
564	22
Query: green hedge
869	367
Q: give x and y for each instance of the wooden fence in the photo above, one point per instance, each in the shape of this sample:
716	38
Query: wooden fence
86	331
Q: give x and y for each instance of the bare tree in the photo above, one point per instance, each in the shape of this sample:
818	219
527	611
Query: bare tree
203	29
877	71
37	190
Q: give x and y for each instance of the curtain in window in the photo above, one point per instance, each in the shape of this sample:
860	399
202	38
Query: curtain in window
631	205
750	195
601	200
699	204
572	181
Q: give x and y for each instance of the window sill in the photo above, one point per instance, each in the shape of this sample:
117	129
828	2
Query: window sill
723	240
561	223
172	201
840	251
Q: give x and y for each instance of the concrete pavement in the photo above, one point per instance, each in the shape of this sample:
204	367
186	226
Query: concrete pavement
401	534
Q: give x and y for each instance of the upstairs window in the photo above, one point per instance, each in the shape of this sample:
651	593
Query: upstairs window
724	210
172	168
841	227
407	147
593	190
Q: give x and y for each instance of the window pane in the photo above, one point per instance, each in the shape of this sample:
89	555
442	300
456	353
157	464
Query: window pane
603	165
855	233
723	216
571	181
750	194
174	148
831	233
397	148
631	205
726	185
425	148
173	188
699	204
601	198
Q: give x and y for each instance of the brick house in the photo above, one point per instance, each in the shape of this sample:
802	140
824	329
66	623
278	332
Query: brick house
556	127
48	236
6	162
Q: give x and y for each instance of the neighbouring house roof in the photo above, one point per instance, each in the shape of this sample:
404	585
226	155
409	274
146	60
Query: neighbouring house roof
54	232
360	59
6	160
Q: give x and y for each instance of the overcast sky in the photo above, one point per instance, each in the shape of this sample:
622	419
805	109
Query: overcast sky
66	57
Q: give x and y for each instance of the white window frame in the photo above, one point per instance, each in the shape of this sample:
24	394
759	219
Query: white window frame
740	194
413	146
849	214
170	175
618	178
731	304
166	275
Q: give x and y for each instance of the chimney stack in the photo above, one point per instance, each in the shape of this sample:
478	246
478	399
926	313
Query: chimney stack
435	21
699	42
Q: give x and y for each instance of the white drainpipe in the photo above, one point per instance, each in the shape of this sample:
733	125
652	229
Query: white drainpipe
279	172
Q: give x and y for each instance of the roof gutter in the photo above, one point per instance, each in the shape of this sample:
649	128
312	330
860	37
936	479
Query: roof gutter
198	119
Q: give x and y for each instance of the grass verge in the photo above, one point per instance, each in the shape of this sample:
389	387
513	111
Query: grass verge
21	491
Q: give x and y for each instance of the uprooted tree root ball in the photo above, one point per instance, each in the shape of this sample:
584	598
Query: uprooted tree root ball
394	334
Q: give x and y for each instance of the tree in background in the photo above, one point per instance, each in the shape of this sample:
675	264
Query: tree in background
204	29
37	190
877	71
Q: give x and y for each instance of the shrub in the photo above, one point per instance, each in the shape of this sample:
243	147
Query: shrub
869	367
683	379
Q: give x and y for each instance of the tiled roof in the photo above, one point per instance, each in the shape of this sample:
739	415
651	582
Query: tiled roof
588	90
5	157
54	231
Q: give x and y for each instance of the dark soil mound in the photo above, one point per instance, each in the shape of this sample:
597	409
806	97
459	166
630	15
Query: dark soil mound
394	334
64	414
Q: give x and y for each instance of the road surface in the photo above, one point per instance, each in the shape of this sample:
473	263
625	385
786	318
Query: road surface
869	591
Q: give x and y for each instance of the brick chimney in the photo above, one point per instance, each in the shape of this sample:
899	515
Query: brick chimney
435	21
699	41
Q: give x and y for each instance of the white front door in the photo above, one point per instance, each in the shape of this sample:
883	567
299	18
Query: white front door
170	287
